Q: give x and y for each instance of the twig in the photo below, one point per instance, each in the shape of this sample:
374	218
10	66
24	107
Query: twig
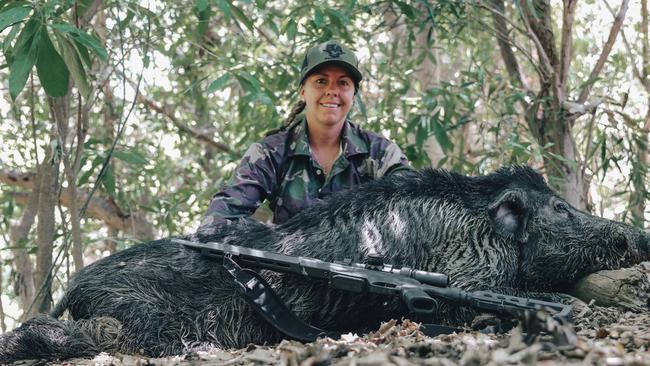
618	22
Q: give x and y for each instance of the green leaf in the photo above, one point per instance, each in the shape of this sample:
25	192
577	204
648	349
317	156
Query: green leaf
337	18
361	105
130	14
274	27
204	13
98	160
83	6
201	5
131	157
25	57
108	180
73	62
218	84
291	29
318	18
441	136
51	68
248	82
85	39
225	8
6	44
13	15
241	17
405	9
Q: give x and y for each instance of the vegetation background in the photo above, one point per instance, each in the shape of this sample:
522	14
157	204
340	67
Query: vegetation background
121	118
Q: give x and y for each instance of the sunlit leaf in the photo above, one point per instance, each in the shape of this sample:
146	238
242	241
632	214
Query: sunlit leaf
241	17
218	84
26	54
291	29
74	64
87	40
131	157
405	9
13	15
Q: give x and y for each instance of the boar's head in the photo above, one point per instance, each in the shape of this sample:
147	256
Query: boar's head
559	243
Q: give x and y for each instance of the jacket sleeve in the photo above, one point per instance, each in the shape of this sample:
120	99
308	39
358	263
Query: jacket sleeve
392	160
253	181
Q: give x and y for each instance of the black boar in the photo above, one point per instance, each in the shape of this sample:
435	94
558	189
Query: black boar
506	230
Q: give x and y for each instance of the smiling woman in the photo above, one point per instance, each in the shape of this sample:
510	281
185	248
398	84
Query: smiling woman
312	155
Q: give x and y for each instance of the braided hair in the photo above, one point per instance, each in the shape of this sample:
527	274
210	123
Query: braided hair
291	120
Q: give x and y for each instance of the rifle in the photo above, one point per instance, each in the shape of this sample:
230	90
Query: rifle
418	289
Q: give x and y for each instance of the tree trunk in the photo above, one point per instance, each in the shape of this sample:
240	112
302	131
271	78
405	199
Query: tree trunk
24	284
3	327
49	173
639	194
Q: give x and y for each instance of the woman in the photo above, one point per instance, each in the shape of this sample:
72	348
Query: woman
311	156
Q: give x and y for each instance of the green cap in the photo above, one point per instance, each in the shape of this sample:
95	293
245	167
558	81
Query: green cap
331	52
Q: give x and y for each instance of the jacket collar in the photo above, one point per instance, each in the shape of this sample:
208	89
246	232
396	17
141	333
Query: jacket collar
352	142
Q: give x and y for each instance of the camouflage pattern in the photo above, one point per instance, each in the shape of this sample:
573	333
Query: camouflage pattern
281	168
331	52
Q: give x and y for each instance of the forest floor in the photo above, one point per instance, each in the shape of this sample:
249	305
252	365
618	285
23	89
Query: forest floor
600	336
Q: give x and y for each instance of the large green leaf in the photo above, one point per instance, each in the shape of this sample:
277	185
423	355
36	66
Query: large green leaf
51	68
85	39
108	181
131	157
13	15
241	17
74	64
219	83
26	53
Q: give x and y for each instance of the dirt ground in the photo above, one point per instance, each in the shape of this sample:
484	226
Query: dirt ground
600	336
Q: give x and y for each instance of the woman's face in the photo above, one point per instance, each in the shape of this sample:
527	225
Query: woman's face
328	93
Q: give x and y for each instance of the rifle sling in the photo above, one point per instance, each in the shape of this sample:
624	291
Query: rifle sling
259	294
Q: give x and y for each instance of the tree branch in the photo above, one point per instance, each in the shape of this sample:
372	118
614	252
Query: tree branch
199	135
645	43
567	39
102	209
537	31
504	41
607	48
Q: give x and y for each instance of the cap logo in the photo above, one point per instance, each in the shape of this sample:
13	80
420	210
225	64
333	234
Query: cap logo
334	50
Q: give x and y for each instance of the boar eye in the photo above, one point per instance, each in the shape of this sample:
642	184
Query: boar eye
561	207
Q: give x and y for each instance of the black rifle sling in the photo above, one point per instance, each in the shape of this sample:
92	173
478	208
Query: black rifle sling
259	294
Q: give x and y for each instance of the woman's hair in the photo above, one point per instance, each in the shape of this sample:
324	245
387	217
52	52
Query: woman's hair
291	118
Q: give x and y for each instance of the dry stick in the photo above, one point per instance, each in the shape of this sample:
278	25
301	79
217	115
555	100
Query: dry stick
592	121
180	125
598	67
645	58
566	45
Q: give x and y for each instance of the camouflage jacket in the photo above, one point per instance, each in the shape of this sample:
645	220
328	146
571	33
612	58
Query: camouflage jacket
281	168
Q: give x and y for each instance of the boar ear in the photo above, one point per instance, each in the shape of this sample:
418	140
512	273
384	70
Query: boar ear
509	214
